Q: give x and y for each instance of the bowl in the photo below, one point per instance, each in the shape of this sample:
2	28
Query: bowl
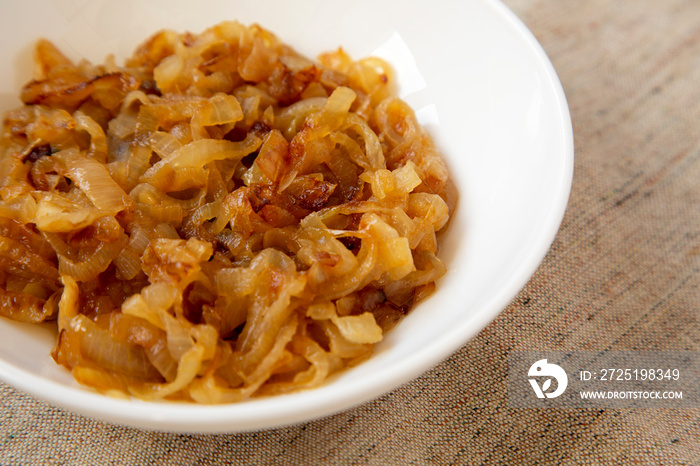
479	82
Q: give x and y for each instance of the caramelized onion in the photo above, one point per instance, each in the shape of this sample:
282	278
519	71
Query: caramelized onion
99	347
219	218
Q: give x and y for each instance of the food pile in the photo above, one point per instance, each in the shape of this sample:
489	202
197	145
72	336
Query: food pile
218	218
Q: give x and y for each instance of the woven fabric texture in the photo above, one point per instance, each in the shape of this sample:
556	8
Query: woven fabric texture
622	274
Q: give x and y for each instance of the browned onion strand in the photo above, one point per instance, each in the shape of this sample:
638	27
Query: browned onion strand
220	217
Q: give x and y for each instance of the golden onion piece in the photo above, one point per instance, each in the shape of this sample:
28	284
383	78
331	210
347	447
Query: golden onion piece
218	218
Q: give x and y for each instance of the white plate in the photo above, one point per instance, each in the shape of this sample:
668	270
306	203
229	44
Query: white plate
478	80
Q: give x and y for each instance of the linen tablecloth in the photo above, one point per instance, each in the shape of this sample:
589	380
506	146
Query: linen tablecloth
622	274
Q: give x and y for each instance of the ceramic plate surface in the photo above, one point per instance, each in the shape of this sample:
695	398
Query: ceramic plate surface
479	82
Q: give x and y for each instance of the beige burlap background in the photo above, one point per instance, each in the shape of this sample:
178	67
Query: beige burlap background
623	273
